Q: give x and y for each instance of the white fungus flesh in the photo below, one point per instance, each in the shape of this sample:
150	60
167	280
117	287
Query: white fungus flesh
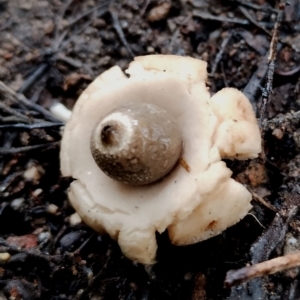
196	198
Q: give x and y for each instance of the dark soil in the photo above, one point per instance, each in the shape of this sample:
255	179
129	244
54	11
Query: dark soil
50	51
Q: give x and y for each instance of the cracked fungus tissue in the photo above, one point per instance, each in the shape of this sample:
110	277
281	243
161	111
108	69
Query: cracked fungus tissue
192	204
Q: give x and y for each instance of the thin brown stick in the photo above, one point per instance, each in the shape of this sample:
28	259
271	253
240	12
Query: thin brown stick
265	268
224	75
263	201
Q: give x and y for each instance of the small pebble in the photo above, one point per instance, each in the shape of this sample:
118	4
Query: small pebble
4	257
49	27
33	173
278	133
18	259
75	219
25	5
150	49
99	23
3	72
17	203
188	276
71	240
27	241
159	12
52	209
37	192
44	236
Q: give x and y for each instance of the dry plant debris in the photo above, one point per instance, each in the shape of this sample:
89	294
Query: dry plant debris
268	267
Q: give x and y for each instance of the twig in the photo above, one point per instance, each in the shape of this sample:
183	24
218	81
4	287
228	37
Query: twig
255	82
176	32
257	7
271	62
269	267
220	54
173	39
206	16
8	180
224	74
70	39
33	252
260	251
16	98
102	5
58	41
34	77
270	239
263	201
11	119
270	73
101	12
31	126
57	237
119	30
145	6
79	249
68	60
13	112
4	151
245	12
58	44
60	17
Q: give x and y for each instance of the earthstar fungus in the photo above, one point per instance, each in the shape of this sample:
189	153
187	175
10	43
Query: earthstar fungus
124	142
